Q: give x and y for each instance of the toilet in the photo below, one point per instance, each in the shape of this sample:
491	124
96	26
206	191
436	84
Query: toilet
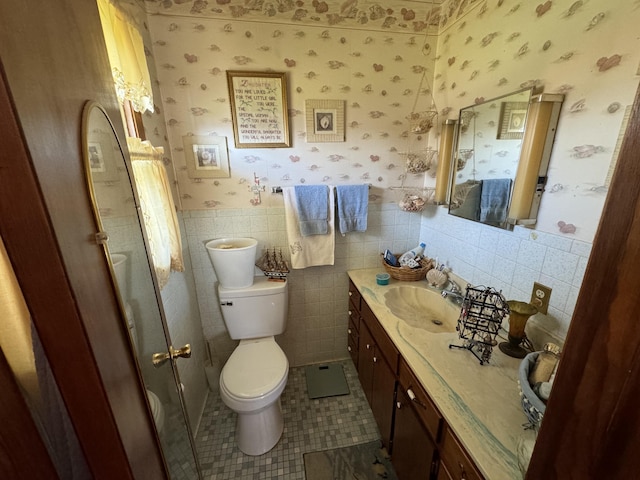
255	374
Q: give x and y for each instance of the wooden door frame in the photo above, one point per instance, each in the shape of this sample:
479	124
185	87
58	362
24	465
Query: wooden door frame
591	427
31	245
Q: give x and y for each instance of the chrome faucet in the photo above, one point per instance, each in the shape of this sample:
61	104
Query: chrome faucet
454	294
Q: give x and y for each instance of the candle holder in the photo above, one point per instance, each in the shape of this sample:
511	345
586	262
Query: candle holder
518	345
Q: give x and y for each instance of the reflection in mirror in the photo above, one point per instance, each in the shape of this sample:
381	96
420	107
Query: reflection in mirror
486	157
116	211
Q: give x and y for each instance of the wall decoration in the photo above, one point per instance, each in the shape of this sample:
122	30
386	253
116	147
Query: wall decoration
206	156
259	109
512	120
325	120
101	158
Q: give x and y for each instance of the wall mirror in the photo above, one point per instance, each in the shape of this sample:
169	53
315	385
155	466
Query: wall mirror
116	210
486	156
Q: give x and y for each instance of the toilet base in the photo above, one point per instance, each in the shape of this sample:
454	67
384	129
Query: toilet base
258	432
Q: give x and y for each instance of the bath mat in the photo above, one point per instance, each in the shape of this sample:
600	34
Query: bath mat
326	381
367	461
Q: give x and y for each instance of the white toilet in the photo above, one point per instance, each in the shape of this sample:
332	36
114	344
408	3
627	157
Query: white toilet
255	375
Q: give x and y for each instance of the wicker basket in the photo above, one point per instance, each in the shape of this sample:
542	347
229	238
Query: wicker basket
532	406
407	274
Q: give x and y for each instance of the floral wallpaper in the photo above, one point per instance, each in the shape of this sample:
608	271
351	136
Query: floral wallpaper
386	63
381	76
586	50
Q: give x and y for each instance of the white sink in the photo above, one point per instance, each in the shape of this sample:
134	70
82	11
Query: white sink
422	308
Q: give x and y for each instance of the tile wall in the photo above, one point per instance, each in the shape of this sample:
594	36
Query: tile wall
317	324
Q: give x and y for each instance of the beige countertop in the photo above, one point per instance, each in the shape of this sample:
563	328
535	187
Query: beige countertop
480	403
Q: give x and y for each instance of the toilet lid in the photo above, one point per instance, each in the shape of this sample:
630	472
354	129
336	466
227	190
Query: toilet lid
254	368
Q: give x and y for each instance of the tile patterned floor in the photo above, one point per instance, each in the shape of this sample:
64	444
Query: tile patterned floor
309	425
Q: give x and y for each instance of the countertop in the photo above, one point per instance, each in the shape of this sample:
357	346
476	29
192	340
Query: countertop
480	403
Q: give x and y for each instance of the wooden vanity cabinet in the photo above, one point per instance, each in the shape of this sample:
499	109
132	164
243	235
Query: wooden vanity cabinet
421	444
414	451
377	367
455	463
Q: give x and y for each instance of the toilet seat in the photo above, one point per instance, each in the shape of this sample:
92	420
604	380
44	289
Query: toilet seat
255	369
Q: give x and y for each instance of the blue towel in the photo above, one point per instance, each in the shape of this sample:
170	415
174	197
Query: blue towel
353	205
313	209
494	200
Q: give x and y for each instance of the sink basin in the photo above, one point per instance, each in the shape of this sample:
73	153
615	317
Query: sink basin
422	308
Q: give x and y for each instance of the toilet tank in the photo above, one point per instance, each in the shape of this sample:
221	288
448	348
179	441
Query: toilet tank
256	311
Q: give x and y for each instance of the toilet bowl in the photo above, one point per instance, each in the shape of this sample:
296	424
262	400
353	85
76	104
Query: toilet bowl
255	375
251	383
157	410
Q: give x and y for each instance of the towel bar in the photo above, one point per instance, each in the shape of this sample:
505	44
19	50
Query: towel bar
279	189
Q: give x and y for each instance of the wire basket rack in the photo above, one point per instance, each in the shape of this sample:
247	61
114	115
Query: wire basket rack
481	315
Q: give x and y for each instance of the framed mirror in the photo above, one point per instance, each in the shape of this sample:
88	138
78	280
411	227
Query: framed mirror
486	156
122	236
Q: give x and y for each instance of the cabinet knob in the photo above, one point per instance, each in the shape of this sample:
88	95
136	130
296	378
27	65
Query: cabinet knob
375	359
463	474
398	405
351	294
348	348
349	331
350	313
368	347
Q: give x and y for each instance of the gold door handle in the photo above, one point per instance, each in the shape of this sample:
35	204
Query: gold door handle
159	359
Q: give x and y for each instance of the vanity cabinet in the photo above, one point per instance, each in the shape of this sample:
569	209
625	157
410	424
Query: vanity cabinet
414	451
455	463
353	333
377	367
421	444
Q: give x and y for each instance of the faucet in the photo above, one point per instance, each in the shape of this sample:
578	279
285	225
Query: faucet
454	294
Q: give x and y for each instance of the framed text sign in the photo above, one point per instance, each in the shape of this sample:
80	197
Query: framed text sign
259	109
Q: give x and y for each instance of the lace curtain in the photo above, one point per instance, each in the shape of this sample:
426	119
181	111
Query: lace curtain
158	209
127	58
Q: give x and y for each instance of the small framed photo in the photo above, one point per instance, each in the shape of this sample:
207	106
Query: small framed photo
206	156
513	116
100	155
324	121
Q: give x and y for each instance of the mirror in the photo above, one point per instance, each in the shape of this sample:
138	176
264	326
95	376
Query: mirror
121	233
486	155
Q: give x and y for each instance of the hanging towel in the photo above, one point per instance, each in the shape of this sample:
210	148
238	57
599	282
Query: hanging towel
353	205
313	209
494	200
313	250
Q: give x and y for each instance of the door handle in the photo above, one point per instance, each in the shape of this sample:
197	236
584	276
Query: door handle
159	359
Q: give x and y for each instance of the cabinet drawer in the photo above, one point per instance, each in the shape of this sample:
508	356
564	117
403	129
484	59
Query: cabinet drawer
458	463
352	329
354	295
384	344
354	317
352	347
423	405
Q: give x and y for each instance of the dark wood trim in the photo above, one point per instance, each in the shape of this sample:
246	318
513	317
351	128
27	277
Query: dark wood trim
591	428
53	62
34	254
22	452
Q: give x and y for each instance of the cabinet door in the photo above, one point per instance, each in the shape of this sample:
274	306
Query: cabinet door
365	361
383	391
413	450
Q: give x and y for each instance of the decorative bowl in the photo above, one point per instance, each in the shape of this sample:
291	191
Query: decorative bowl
532	406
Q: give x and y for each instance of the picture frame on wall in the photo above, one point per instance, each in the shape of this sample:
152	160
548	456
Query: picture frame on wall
324	121
513	116
206	156
259	109
101	158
